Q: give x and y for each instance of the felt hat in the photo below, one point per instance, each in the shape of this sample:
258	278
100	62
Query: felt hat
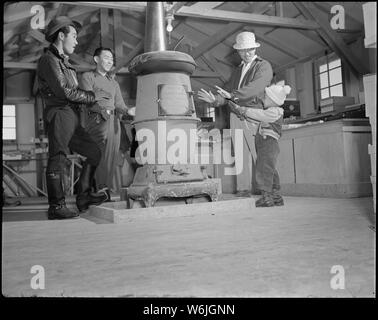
59	23
245	40
278	93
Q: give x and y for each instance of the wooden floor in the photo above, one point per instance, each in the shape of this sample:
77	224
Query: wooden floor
266	252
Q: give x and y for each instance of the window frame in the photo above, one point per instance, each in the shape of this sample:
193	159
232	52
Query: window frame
10	141
326	60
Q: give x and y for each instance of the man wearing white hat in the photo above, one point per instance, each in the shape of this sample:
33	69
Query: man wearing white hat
246	84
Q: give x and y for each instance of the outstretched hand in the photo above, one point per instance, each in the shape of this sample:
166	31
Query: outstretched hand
225	94
206	96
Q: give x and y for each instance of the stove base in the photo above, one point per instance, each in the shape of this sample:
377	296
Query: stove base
151	193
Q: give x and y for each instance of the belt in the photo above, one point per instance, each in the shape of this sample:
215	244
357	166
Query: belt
110	112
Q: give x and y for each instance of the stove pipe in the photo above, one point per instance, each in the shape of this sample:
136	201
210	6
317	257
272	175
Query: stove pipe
155	39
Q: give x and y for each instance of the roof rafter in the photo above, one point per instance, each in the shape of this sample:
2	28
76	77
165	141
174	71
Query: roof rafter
333	39
247	18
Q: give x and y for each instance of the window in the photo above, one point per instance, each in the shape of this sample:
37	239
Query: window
329	79
211	113
9	122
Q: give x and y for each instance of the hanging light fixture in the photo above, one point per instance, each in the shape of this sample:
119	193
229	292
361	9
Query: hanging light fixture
169	18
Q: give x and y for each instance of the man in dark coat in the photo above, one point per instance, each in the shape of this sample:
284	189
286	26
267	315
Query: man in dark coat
64	101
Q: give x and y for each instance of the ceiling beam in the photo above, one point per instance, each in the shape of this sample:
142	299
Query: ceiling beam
291	64
333	39
176	7
213	65
216	39
221	34
19	11
206	5
326	8
38	35
105	29
247	18
117	35
89	42
19	65
275	43
308	34
124	6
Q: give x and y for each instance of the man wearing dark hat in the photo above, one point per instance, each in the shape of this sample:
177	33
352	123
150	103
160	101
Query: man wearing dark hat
63	99
246	86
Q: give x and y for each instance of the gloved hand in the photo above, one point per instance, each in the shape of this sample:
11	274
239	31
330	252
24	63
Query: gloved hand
237	110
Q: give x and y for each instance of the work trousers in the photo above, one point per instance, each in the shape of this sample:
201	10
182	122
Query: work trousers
107	134
267	150
65	134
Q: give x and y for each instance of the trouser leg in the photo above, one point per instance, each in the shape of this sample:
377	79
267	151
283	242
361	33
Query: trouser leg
266	173
59	129
87	144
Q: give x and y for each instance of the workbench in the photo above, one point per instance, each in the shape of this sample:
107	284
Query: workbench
326	159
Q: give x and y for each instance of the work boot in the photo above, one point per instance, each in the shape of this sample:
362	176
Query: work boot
60	211
107	192
57	204
277	198
85	197
265	201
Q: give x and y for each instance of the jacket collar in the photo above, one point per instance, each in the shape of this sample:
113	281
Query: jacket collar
257	58
62	57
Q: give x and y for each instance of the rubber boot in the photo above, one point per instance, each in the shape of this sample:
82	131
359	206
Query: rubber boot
57	203
277	198
265	201
85	197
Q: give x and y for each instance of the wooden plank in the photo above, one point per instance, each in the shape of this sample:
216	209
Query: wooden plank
213	65
117	36
204	74
279	9
124	61
291	64
248	18
95	30
334	40
105	29
262	37
124	6
222	34
176	7
309	34
19	65
326	8
206	5
38	35
78	11
19	11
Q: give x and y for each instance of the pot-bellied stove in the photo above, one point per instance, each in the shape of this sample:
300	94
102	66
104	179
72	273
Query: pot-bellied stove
166	120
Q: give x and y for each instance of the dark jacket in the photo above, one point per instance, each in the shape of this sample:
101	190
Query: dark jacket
58	82
258	76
